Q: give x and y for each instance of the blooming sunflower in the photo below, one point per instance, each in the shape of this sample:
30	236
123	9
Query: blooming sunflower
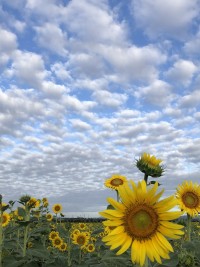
53	235
90	247
57	208
5	219
115	181
57	242
33	203
82	226
188	196
142	223
150	165
49	217
80	239
63	247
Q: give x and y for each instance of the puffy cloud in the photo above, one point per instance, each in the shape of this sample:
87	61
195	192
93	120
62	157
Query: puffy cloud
109	99
182	71
8	45
171	18
51	37
157	94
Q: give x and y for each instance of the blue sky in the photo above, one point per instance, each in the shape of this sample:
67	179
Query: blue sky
87	86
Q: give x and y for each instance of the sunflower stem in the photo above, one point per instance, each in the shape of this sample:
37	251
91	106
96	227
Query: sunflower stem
188	227
146	177
117	195
146	263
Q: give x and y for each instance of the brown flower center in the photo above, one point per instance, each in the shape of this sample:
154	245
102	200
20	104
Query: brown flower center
116	182
190	200
81	240
141	221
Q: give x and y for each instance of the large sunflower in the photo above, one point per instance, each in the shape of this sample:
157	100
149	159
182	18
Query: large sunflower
141	222
115	181
188	195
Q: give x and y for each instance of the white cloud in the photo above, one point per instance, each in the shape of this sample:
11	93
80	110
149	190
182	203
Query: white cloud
158	93
182	72
191	100
8	45
51	37
169	18
113	100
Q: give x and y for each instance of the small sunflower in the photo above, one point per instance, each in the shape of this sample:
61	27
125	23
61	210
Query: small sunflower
142	223
57	242
82	226
115	181
188	196
63	247
5	219
80	239
150	165
90	247
57	208
49	217
53	235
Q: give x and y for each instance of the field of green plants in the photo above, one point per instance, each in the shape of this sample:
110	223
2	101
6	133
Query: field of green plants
137	229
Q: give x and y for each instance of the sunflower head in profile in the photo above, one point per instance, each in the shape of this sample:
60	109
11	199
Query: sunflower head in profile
33	203
115	181
57	208
142	222
150	165
80	239
188	196
5	219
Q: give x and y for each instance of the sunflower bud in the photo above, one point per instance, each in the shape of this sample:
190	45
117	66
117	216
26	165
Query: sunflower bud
150	165
24	199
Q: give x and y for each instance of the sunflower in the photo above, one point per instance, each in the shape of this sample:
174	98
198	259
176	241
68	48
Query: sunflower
90	247
63	247
33	203
53	235
49	217
57	242
5	219
142	223
150	165
188	196
80	239
57	208
115	181
82	226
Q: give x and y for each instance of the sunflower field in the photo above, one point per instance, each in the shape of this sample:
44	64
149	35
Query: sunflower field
138	228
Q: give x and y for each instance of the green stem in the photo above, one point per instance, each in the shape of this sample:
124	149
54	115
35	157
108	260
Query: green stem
146	177
117	195
188	227
69	253
146	263
80	256
25	240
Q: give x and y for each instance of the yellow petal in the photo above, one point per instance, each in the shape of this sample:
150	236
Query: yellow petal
171	215
117	230
164	241
125	245
115	204
112	223
171	225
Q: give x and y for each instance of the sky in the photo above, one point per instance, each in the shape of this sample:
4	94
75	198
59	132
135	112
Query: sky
87	86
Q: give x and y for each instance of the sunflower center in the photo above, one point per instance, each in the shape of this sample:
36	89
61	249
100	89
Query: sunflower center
57	241
4	219
57	208
81	240
190	200
116	182
142	221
